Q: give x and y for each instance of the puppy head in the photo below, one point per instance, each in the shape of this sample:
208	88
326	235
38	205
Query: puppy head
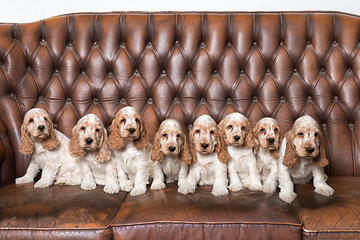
205	138
267	134
305	139
237	131
89	134
171	139
37	126
128	125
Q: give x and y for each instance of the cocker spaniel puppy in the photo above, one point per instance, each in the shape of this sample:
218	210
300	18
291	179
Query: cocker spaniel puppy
267	135
171	150
210	157
132	153
49	152
239	139
89	143
302	158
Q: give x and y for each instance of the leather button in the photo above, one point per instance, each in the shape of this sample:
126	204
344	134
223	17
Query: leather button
268	70
202	100
96	100
242	72
336	98
309	98
255	43
95	44
55	126
255	98
228	100
351	125
83	73
68	99
110	73
150	101
202	44
163	71
189	72
215	72
308	42
176	42
282	98
176	99
281	43
295	70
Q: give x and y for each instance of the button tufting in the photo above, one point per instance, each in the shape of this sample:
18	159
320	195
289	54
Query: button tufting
136	71
56	70
295	70
309	98
268	70
68	99
95	44
189	72
228	100
150	101
96	100
281	43
190	126
163	71
308	42
202	44
255	43
282	98
176	42
215	72
351	125
334	42
149	44
255	98
176	99
242	72
83	73
55	125
202	100
229	43
336	98
110	73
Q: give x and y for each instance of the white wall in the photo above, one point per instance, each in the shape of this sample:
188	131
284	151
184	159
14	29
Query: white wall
33	10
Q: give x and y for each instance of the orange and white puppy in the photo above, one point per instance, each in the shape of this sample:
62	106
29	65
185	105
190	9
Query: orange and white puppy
171	150
89	143
132	153
239	139
267	135
302	158
49	152
210	157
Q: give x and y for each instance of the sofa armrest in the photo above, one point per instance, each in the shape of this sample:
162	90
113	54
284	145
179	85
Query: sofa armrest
7	164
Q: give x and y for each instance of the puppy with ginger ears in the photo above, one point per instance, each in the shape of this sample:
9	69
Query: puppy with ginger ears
239	139
210	157
302	158
132	153
49	152
267	135
89	143
171	149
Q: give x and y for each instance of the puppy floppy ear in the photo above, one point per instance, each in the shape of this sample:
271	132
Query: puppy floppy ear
185	155
156	154
26	145
192	146
276	152
249	139
221	149
321	160
142	141
221	127
115	140
291	159
104	152
51	142
74	146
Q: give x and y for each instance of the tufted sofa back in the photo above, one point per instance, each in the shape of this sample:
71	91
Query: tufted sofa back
183	65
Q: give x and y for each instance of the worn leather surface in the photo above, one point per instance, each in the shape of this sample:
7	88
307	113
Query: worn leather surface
56	212
166	214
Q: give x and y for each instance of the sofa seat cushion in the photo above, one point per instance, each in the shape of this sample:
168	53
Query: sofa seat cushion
334	217
57	212
167	214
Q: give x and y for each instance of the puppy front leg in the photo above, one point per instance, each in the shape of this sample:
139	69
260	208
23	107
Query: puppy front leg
141	177
111	181
270	183
183	174
48	174
254	176
321	187
286	185
220	182
30	174
158	177
87	178
235	182
192	180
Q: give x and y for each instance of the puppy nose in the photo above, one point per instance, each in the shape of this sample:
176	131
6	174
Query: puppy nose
131	130
88	140
310	150
204	145
271	140
41	127
171	149
237	138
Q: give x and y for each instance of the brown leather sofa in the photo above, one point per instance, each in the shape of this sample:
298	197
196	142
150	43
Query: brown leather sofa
182	65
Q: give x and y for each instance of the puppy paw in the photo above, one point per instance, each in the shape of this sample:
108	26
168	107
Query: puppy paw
186	189
128	186
255	186
23	180
268	188
111	188
288	196
220	190
88	186
324	190
246	183
234	187
42	184
157	185
136	191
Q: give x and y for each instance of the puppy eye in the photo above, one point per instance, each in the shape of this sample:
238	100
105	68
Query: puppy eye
164	135
262	130
230	127
276	130
243	128
197	131
137	120
97	130
178	135
123	120
45	119
316	134
31	120
82	128
212	132
300	134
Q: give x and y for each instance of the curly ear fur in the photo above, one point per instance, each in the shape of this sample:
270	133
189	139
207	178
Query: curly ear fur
26	144
104	152
185	155
156	154
321	160
276	152
221	149
192	146
142	141
51	142
291	159
249	139
115	140
74	146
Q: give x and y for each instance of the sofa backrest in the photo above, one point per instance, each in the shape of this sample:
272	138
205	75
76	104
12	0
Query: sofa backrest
183	65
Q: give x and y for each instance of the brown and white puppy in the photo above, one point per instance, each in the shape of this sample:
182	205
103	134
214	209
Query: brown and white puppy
49	152
171	150
89	143
267	135
132	153
303	157
239	139
210	157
